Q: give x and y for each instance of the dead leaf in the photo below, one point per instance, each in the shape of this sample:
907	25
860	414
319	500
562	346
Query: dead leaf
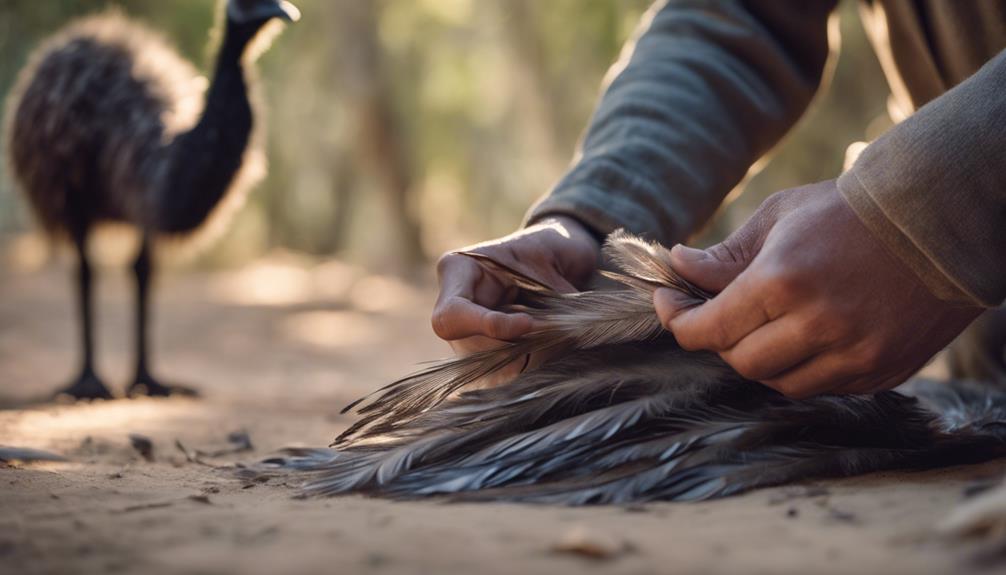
143	445
580	542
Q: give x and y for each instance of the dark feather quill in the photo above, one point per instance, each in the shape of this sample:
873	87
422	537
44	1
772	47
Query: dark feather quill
621	414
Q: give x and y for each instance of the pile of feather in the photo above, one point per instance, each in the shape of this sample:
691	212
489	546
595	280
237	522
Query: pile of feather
620	414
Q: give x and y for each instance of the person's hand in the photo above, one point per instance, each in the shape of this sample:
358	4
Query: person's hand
809	301
559	252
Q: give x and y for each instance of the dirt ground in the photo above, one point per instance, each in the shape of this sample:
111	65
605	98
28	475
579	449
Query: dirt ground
278	348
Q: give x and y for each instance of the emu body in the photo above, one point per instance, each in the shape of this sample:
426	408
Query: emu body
621	414
108	124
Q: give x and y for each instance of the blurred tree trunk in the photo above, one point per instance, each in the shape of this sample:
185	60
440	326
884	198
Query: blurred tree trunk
536	97
280	229
378	139
343	179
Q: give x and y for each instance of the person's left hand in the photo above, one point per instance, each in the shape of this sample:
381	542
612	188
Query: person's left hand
809	301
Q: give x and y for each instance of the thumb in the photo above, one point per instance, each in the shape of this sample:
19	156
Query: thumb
712	269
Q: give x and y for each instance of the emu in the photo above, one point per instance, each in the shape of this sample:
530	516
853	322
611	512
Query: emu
620	414
104	125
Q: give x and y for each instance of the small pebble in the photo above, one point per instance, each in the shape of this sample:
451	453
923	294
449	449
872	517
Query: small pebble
143	445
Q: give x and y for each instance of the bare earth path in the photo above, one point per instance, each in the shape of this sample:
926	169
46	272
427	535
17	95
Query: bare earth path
278	348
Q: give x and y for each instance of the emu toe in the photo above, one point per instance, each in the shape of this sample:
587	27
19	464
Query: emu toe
87	386
149	386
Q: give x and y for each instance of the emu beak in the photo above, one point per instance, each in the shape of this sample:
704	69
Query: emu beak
287	11
243	11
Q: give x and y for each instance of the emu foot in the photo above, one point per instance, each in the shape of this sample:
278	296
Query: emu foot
87	386
149	386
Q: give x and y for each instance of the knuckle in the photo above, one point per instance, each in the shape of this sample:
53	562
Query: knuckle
774	200
812	329
823	328
768	211
664	307
440	323
693	336
868	358
783	199
685	339
445	261
666	320
719	338
494	325
729	251
663	317
747	366
785	284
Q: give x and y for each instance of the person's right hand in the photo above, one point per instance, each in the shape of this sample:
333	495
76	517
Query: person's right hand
559	252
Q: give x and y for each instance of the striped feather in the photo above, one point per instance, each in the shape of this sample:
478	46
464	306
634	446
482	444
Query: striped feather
621	414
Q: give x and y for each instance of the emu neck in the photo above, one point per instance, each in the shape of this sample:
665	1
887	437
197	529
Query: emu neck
202	163
236	40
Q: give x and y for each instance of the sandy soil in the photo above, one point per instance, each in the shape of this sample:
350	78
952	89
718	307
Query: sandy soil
278	348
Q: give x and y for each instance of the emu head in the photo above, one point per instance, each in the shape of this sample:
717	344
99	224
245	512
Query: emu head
253	24
259	12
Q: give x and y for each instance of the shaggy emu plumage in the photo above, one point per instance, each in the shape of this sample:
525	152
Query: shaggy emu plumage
104	125
621	414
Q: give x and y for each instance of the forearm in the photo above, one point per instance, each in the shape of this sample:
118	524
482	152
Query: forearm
706	89
933	189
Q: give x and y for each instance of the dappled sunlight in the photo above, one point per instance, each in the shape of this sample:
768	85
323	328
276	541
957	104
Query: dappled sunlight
330	329
266	283
382	294
26	252
45	427
383	134
287	281
333	279
113	245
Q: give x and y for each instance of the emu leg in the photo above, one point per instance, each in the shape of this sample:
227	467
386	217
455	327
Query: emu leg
144	383
87	385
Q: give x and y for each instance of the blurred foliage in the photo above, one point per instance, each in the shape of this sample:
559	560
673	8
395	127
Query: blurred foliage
401	128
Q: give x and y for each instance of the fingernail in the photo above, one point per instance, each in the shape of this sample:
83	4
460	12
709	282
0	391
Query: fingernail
689	254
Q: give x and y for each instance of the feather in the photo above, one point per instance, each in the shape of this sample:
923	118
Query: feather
621	414
648	262
517	278
569	322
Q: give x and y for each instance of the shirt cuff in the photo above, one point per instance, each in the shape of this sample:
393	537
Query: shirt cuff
898	242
